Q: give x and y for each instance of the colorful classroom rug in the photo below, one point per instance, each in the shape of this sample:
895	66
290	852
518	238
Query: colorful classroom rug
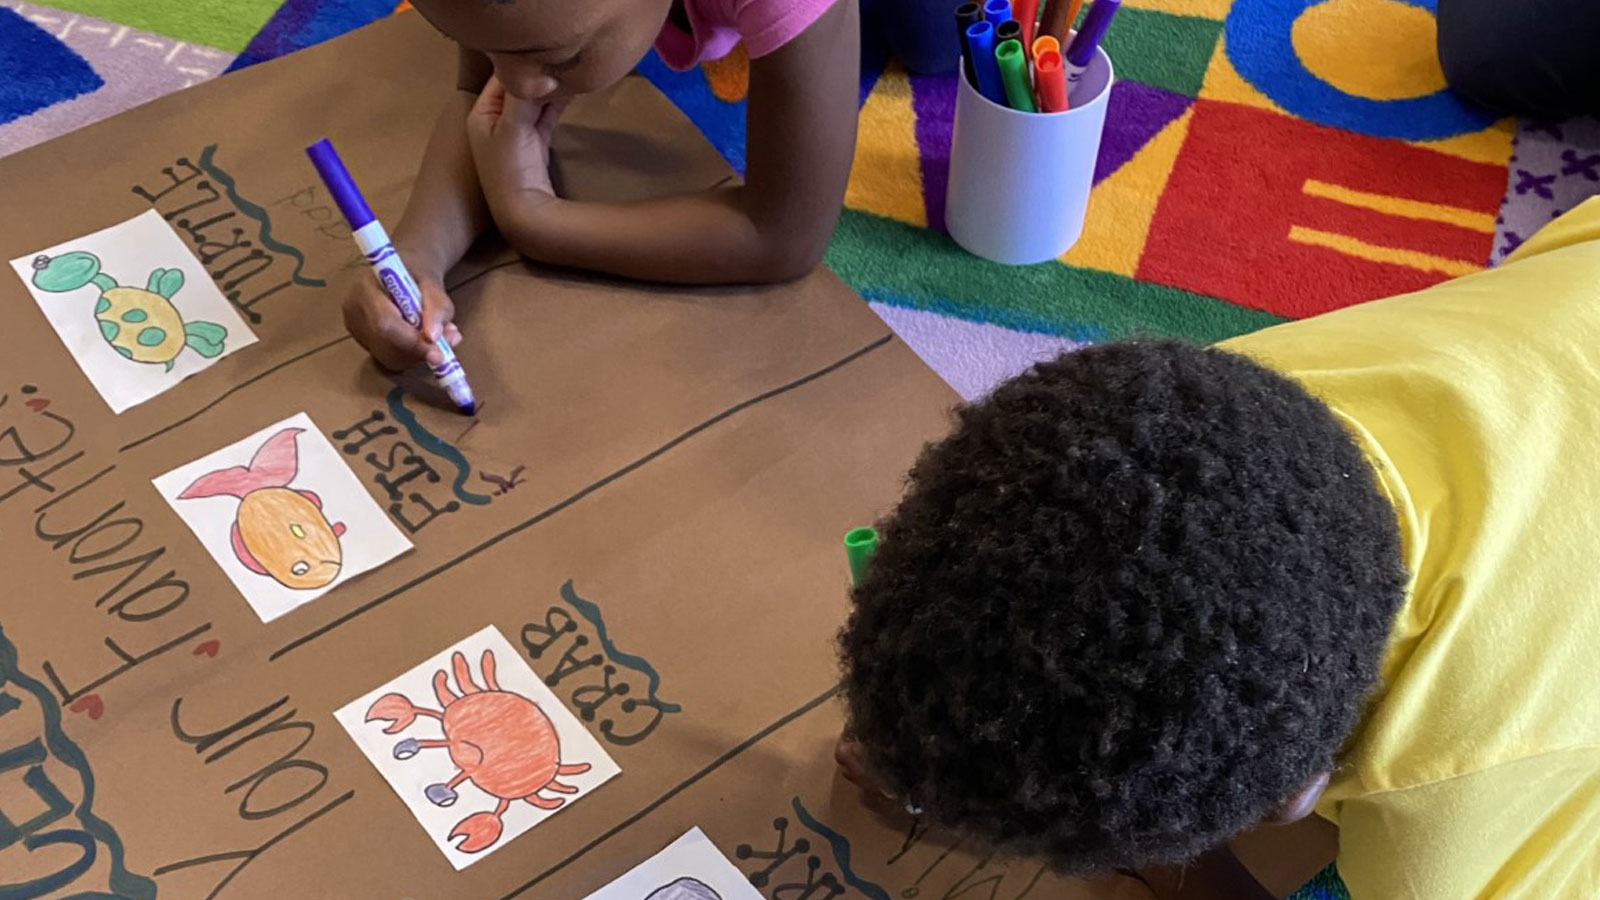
1263	160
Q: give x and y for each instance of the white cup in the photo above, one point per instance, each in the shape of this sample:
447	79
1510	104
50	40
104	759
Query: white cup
1019	182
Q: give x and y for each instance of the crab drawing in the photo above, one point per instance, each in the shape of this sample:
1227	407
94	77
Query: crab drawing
500	741
140	324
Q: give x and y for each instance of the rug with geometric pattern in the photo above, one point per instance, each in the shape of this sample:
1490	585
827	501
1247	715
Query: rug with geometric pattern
1263	160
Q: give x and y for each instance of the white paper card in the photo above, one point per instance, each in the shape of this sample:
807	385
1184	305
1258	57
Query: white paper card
135	308
523	756
283	515
691	868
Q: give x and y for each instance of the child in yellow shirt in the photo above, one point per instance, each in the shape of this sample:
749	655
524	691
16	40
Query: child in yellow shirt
1150	595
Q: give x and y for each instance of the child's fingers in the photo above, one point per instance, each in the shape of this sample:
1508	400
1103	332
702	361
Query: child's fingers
438	312
452	334
550	116
489	106
521	115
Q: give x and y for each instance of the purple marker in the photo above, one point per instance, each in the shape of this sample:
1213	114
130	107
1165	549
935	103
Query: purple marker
387	265
1087	42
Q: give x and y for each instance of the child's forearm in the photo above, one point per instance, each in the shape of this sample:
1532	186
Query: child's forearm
704	238
446	211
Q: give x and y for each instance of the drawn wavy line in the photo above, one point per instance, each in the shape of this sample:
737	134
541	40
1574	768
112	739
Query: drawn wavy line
260	215
638	664
841	853
434	445
126	884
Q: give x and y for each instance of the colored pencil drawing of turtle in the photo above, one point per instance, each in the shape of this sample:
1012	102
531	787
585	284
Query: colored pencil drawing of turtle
141	324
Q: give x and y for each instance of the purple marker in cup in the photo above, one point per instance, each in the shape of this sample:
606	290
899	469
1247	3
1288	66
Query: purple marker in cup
387	265
1083	47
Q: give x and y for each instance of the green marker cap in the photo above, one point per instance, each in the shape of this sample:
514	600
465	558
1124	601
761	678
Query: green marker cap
1014	73
859	545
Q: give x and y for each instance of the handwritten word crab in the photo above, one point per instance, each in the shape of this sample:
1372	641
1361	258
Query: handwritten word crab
140	324
500	741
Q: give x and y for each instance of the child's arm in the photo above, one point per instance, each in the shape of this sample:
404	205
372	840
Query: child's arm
801	137
445	214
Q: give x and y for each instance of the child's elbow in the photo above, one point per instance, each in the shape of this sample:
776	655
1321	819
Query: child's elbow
788	258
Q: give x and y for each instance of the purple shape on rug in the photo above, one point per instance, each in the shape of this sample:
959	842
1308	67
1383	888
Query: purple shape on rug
933	101
972	357
1137	113
1554	167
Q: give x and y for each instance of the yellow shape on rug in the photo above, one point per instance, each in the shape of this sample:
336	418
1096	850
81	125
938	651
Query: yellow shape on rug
886	178
1122	206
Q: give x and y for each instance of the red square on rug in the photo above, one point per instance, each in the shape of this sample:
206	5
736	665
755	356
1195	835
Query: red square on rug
1297	219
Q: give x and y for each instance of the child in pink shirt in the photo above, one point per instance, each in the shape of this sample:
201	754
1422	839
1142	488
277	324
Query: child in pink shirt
522	60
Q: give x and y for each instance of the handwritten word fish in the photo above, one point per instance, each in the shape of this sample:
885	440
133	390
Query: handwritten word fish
141	325
280	532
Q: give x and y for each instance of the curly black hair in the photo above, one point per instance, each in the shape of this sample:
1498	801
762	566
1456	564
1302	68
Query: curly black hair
1128	607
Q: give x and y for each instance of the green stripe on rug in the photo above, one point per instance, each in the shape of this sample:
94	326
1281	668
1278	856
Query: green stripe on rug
917	267
225	24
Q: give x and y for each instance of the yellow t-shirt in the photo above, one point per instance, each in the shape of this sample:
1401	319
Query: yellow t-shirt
1475	774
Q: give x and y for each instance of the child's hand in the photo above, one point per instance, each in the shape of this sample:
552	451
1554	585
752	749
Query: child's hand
372	319
510	141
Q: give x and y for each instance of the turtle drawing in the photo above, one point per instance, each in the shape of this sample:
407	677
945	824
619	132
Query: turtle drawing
500	741
141	324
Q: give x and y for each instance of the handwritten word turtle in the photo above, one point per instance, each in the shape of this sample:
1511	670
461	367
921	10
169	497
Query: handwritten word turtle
500	741
139	323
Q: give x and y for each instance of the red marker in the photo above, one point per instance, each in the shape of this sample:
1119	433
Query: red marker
1026	12
1050	80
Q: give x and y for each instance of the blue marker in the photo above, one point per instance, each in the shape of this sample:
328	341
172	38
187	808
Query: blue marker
980	42
387	265
996	11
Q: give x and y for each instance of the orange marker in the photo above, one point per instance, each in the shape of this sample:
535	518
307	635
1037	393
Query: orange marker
1050	80
1045	43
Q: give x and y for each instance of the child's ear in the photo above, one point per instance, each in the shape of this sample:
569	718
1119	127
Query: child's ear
1303	802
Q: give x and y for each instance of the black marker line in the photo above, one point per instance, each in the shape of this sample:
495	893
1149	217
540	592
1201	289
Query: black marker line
682	786
595	486
230	391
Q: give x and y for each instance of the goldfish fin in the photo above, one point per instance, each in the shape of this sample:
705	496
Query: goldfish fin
274	465
243	552
338	529
312	496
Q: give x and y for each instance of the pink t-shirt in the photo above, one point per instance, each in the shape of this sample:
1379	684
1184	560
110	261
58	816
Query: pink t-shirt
717	25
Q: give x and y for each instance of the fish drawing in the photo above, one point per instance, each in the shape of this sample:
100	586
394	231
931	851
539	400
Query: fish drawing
280	531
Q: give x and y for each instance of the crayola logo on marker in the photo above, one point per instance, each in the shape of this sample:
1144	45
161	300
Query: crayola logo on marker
394	285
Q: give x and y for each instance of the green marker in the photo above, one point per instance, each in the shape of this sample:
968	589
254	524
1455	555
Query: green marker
859	545
1014	73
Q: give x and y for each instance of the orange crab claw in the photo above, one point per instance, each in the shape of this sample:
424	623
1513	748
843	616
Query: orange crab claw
480	831
394	709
